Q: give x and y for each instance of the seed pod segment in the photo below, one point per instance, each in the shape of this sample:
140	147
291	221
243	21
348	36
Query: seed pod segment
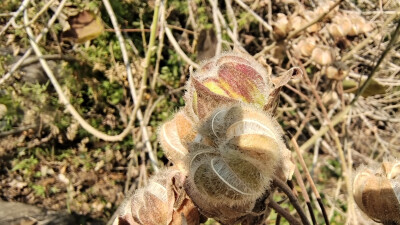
174	135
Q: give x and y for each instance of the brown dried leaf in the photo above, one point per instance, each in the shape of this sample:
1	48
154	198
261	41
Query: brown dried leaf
84	27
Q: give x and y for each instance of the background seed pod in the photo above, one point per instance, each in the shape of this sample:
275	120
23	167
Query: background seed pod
322	56
377	195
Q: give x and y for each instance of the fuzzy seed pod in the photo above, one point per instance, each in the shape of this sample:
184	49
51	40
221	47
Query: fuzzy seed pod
225	79
377	193
162	201
174	135
322	56
232	161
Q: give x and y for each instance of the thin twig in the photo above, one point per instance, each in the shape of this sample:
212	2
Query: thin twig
217	25
308	176
177	47
42	10
282	186
129	30
137	99
160	45
299	180
284	213
38	38
312	22
232	18
21	8
256	16
64	100
230	32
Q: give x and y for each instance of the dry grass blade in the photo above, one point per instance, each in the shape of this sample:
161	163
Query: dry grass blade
310	180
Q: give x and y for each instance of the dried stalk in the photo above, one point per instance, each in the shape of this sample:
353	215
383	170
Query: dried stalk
217	25
177	47
38	38
282	186
255	15
21	8
284	213
137	99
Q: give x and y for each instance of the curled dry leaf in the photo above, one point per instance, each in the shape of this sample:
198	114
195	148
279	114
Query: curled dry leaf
84	27
232	161
162	201
377	192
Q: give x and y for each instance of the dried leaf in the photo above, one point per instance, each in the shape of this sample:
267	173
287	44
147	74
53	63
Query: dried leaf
373	88
84	27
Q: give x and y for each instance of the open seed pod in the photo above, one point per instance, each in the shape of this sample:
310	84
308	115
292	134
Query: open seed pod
225	79
377	193
232	161
162	201
174	135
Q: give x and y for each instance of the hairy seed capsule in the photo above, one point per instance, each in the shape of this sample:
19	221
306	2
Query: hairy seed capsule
377	192
233	160
162	201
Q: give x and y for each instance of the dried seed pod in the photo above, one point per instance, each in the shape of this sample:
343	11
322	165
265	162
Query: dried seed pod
337	31
281	25
174	135
309	16
225	79
340	27
235	166
377	193
306	46
162	201
297	22
335	73
322	56
359	25
324	7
